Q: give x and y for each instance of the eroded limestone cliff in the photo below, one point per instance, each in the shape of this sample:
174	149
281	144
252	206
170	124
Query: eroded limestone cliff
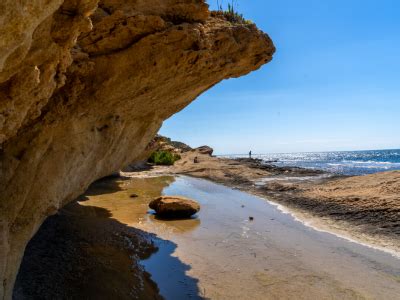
86	84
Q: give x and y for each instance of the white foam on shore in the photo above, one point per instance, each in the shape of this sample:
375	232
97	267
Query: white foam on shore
309	220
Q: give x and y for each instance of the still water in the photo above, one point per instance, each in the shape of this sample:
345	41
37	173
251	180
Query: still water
221	254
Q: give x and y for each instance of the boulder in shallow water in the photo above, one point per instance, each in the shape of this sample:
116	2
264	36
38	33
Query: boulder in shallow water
174	207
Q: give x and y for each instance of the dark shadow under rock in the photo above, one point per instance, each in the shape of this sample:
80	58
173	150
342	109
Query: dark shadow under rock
82	253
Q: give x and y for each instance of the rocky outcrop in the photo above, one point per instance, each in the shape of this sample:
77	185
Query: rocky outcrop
205	150
86	84
162	143
174	207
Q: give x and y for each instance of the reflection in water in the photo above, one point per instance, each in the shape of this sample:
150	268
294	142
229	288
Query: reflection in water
170	273
114	195
176	226
167	270
227	256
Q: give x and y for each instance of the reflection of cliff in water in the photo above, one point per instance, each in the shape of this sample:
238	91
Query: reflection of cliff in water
87	252
115	196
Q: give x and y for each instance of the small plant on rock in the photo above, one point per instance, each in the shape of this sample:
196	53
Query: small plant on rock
231	13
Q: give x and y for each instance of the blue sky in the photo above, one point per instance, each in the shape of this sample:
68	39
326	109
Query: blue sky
334	83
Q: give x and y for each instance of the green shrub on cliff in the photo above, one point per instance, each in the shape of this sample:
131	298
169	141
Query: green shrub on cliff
231	13
163	158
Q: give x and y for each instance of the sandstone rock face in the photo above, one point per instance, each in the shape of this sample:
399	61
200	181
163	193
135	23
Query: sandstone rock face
174	207
205	150
86	84
162	143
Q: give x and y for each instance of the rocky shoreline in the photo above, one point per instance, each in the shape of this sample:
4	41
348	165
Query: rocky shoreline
363	208
82	244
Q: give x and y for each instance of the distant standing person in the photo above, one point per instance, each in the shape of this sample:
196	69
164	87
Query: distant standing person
250	154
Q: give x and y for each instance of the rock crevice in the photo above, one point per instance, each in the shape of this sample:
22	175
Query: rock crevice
86	84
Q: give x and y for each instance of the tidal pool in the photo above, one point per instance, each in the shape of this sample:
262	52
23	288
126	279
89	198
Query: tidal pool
221	254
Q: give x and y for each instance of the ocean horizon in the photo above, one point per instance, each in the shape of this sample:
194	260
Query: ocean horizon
359	162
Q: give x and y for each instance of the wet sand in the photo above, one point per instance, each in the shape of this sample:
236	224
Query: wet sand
221	254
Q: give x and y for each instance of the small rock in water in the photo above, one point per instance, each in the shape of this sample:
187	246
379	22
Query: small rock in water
251	218
174	207
242	205
134	195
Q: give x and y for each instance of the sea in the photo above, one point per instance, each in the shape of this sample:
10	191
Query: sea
342	162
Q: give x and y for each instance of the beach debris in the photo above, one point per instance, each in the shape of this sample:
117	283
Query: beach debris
251	218
133	195
174	207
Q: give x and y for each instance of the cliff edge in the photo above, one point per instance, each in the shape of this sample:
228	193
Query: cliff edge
86	84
